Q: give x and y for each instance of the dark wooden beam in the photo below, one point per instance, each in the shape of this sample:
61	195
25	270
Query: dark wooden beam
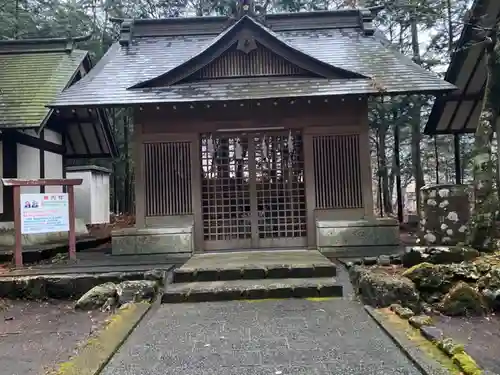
15	136
463	96
458	165
42	161
84	156
477	64
399	190
64	158
9	164
41	181
97	135
106	127
82	133
70	141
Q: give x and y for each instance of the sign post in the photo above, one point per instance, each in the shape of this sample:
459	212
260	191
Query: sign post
43	212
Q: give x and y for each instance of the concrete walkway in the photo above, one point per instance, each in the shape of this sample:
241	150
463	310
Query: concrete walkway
277	337
267	337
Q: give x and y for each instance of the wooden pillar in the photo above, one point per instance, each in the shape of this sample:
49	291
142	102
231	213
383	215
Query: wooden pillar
458	168
398	174
140	197
308	150
196	191
9	160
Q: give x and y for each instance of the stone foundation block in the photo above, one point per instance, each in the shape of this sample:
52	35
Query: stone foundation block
133	241
8	235
358	238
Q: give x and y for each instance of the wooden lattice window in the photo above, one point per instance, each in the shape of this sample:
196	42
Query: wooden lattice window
337	171
168	178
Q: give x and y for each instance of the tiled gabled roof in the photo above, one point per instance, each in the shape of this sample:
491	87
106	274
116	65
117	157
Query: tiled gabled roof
32	74
342	40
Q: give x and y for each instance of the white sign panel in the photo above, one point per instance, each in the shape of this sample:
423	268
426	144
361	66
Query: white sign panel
44	213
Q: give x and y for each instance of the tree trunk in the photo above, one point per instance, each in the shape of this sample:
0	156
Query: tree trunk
482	231
418	174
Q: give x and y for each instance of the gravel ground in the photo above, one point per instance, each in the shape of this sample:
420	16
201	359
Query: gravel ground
264	337
480	336
35	336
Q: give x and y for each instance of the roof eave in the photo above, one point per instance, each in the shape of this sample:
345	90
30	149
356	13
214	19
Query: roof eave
374	93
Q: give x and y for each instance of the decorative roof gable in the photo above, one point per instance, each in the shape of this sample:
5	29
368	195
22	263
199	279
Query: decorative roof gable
247	36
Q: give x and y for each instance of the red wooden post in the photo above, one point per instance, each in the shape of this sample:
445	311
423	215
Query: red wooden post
18	250
71	217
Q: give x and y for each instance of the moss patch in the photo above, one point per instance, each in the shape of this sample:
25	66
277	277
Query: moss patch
411	270
467	364
419	341
97	351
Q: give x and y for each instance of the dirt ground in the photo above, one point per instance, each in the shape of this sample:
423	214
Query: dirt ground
35	336
479	335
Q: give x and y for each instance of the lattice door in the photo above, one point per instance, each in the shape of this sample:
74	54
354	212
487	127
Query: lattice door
279	181
226	192
253	193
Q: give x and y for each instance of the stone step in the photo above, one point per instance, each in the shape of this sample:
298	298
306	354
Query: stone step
248	272
230	290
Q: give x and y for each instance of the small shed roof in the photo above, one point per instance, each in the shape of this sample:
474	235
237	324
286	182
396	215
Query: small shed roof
32	74
341	42
459	111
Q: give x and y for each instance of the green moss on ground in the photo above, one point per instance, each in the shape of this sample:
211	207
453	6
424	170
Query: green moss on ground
431	350
467	364
97	350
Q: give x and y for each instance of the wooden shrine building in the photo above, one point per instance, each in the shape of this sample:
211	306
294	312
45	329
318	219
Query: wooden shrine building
36	141
251	132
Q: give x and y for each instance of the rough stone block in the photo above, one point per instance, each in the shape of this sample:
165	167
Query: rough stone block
420	320
325	271
277	272
207	275
8	239
254	273
230	274
301	272
445	214
431	333
330	291
152	241
173	297
280	292
305	292
359	238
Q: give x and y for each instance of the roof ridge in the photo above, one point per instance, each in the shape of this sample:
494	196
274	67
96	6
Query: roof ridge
343	18
234	34
41	44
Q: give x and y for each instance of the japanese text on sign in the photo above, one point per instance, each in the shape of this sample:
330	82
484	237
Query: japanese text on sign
44	213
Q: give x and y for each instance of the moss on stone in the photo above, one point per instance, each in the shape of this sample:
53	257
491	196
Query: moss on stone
463	299
450	347
410	271
421	342
466	364
404	312
420	320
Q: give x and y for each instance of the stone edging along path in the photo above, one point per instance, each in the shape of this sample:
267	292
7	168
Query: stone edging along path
434	335
98	350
